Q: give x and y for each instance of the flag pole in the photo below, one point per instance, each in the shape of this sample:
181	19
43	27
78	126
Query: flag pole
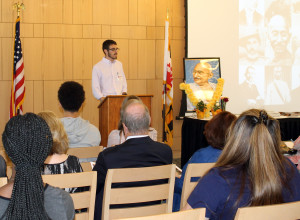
164	136
164	113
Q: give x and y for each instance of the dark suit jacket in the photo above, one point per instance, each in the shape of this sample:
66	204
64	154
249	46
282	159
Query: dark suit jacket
135	152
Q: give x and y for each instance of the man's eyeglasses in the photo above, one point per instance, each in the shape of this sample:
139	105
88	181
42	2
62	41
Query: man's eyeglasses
199	72
114	49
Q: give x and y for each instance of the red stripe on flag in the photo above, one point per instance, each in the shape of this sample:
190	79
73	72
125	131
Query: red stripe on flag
19	70
19	84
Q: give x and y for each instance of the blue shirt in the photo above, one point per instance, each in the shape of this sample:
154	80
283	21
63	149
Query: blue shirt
203	155
218	193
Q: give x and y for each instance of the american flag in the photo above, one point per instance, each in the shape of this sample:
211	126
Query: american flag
18	80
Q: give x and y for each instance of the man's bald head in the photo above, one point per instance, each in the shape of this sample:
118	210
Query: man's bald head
136	118
202	73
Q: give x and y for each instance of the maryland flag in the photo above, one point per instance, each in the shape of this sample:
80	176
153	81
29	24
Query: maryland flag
167	91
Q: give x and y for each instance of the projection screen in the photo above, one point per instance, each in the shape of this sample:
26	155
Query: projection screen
258	42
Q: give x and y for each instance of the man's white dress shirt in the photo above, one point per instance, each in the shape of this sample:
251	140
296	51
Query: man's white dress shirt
108	78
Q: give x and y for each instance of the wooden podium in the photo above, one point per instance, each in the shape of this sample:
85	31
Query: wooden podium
109	113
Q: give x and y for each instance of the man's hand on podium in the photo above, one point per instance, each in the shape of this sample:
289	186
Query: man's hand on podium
124	93
101	99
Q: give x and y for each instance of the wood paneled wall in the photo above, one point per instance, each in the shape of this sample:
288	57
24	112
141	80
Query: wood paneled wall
62	40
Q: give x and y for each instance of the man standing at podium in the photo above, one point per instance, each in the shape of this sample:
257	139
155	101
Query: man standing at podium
108	77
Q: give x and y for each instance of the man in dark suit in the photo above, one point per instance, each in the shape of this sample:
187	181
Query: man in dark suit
139	150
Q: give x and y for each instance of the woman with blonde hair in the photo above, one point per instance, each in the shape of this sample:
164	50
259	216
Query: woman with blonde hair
58	161
251	171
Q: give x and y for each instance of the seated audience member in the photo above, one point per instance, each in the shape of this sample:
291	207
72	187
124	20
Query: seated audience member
27	140
80	132
2	167
117	136
251	171
215	132
139	150
58	162
296	157
297	143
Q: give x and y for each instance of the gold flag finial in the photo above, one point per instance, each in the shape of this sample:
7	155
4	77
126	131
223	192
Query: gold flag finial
18	6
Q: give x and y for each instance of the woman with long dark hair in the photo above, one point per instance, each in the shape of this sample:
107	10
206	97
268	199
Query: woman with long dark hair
27	141
251	171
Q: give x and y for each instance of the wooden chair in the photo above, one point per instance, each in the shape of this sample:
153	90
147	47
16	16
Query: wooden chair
3	181
193	170
138	194
84	153
86	166
193	214
286	211
81	199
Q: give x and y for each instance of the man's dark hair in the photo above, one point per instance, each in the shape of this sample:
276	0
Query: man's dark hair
280	8
107	43
71	96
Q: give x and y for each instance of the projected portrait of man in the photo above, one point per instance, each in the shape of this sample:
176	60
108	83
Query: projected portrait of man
249	14
278	91
248	88
250	47
278	32
202	89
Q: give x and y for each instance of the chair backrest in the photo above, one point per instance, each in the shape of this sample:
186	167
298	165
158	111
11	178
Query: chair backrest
140	194
3	181
193	214
85	152
86	166
81	200
193	170
286	211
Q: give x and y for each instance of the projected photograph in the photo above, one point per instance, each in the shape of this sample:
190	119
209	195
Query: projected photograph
277	85
251	85
201	74
269	51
